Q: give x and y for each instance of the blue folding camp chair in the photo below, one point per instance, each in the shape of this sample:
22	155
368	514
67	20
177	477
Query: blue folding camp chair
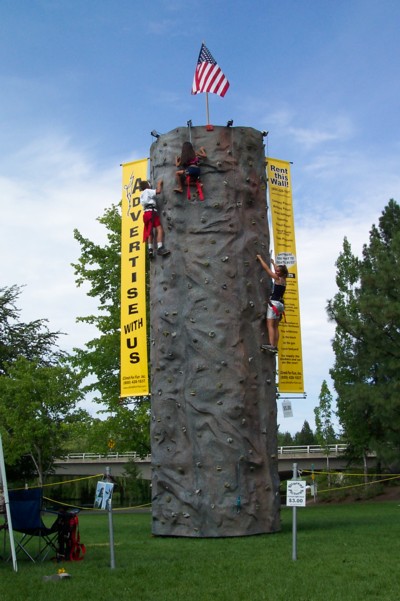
26	508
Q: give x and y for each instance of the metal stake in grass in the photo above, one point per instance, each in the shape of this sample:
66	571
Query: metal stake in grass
295	497
110	522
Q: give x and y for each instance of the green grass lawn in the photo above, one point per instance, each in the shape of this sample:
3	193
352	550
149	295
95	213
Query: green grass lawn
347	552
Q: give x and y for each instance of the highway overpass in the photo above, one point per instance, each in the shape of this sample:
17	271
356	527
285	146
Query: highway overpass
306	457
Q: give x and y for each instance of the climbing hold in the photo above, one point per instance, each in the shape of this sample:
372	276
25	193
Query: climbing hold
225	259
211	334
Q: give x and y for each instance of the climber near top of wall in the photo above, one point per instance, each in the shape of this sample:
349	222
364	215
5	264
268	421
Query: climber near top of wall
188	164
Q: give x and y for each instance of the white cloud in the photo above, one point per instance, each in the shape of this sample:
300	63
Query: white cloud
49	190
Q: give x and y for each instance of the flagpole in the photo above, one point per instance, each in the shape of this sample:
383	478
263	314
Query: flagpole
208	126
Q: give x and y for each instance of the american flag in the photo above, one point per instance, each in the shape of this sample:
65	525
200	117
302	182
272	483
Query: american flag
208	76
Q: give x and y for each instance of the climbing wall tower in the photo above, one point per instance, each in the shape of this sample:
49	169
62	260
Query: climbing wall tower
214	428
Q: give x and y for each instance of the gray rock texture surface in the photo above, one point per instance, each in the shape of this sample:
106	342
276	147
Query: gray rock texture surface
214	419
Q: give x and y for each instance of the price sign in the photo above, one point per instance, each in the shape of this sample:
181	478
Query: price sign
296	493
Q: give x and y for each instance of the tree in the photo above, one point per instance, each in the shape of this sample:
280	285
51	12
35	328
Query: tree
37	404
31	340
305	436
285	439
38	390
366	311
325	432
100	267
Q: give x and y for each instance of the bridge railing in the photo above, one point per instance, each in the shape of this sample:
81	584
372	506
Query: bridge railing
86	457
333	449
301	450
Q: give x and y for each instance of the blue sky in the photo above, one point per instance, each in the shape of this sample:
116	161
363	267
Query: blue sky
84	82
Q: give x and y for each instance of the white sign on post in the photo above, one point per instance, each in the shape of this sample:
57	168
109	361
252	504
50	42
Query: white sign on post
296	493
287	408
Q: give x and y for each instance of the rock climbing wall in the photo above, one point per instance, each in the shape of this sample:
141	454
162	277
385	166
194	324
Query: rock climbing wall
214	445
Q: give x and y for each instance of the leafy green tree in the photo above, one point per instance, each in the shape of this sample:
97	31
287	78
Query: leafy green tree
32	340
38	403
38	390
366	311
100	268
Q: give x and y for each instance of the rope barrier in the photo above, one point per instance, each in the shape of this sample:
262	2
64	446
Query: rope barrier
349	475
361	474
357	485
95	509
59	483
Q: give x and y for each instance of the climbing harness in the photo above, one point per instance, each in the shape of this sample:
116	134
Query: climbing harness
276	311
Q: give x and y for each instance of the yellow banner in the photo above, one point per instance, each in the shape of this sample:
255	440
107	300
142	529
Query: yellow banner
290	353
134	363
